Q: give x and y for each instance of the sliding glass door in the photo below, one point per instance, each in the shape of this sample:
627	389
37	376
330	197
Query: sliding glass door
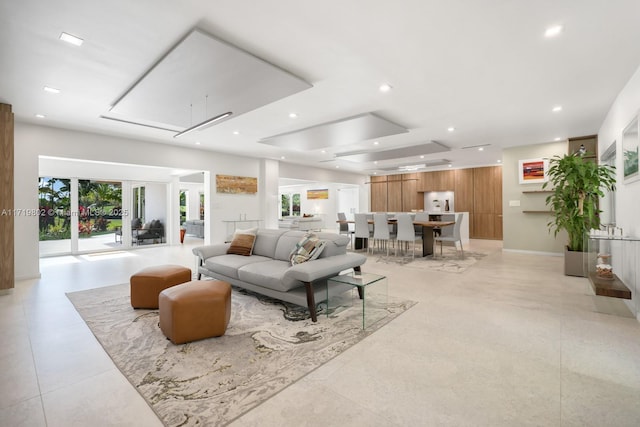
99	214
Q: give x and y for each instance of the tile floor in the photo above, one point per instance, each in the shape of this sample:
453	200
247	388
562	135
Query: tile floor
509	342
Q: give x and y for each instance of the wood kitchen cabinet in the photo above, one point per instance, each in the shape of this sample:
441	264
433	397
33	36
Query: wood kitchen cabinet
437	181
487	203
378	193
476	190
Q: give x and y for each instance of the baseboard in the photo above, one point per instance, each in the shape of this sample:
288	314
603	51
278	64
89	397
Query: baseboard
520	251
20	278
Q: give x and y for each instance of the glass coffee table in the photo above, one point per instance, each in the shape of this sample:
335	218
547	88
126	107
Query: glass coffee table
371	295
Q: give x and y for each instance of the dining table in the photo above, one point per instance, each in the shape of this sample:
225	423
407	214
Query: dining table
427	233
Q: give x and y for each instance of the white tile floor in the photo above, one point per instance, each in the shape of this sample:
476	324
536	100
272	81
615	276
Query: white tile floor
509	342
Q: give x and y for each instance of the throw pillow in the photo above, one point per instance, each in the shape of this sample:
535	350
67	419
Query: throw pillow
242	242
308	248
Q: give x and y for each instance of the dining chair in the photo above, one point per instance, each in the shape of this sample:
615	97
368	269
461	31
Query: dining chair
344	227
381	233
406	232
362	229
451	236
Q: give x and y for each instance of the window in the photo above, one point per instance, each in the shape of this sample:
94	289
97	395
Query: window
289	205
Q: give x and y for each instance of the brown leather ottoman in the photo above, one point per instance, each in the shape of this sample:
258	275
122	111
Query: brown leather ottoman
195	310
147	284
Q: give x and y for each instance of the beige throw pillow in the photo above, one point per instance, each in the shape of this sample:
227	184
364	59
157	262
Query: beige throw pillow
308	248
242	242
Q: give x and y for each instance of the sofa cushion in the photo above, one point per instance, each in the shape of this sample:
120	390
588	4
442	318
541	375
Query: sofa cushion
307	249
269	274
228	265
242	242
336	244
286	243
266	241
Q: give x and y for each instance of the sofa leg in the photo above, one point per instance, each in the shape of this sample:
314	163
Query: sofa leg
311	301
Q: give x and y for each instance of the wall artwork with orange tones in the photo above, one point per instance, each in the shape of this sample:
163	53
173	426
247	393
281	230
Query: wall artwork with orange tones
532	171
318	194
229	184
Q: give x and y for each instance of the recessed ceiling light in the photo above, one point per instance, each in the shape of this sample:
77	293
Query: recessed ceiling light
51	89
553	31
40	116
323	151
281	157
375	143
235	132
499	161
375	162
385	87
481	149
557	108
557	139
422	157
197	142
451	128
76	41
337	167
293	115
375	173
449	165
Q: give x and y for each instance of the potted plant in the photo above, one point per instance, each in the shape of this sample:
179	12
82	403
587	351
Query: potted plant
577	184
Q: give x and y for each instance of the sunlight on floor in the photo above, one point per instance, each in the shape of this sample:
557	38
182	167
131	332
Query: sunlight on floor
99	256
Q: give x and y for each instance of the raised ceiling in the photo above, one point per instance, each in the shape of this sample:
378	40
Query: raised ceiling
200	78
484	68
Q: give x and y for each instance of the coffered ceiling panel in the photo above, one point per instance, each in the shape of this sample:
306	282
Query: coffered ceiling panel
337	133
200	78
397	153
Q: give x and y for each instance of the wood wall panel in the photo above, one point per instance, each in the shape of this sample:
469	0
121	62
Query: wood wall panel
484	225
463	190
487	202
394	196
379	196
477	191
409	192
483	190
7	271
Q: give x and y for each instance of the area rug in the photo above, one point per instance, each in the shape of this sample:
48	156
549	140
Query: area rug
267	346
450	261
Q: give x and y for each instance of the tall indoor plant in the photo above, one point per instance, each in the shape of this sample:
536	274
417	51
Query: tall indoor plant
576	183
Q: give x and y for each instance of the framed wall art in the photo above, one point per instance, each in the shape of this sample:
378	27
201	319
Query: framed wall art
533	171
229	184
318	194
630	143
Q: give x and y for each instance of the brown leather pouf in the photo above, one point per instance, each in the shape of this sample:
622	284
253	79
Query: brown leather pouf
147	284
195	310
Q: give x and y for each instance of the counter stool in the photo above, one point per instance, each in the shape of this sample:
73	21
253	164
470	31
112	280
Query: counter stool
195	310
147	283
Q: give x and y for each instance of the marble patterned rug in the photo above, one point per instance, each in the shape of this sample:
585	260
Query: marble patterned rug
267	346
450	261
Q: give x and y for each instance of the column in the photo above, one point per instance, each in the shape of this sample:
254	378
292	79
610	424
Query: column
7	272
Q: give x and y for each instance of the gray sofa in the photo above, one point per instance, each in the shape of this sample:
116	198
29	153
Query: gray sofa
268	270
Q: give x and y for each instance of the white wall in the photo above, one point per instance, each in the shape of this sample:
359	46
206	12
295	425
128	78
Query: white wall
155	202
32	141
625	257
527	232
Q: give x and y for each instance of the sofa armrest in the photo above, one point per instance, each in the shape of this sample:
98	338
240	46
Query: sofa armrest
323	268
204	252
